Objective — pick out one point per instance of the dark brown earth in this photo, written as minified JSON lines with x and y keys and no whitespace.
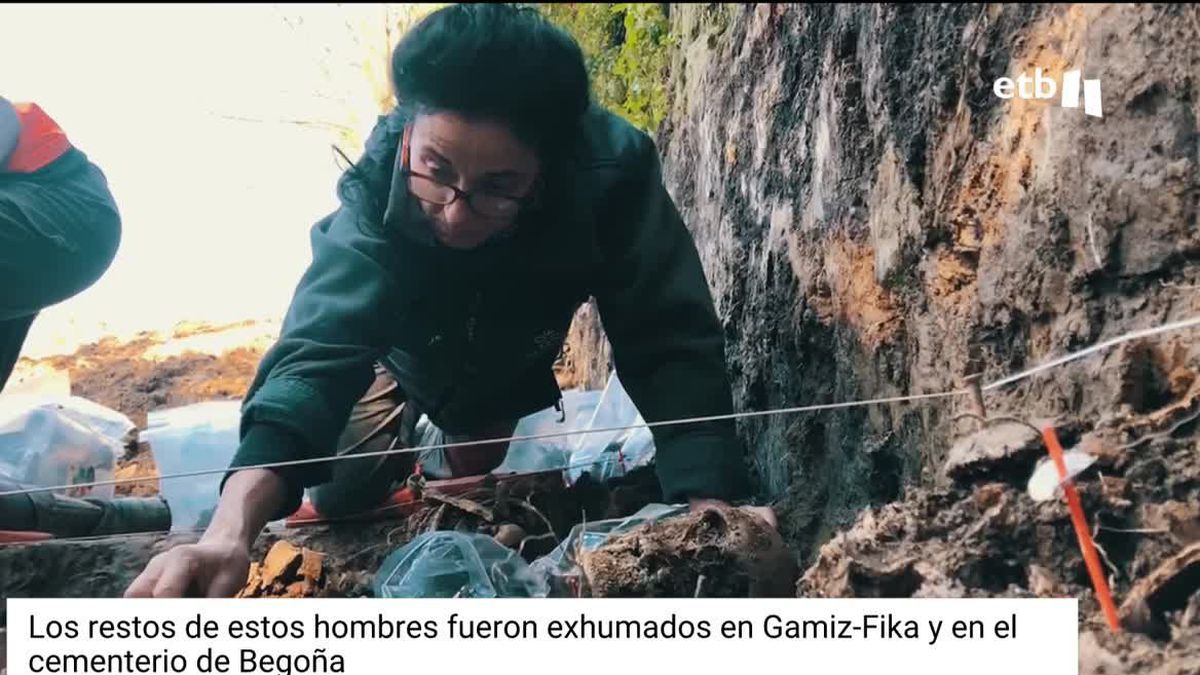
{"x":725,"y":553}
{"x":121,"y":376}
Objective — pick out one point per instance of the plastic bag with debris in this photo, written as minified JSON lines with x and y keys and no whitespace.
{"x":450,"y":564}
{"x":47,"y":441}
{"x":609,"y":454}
{"x":558,"y":568}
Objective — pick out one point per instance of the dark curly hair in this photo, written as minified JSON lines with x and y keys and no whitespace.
{"x":500,"y":62}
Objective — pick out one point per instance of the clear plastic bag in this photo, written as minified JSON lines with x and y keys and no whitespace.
{"x":193,"y":438}
{"x":604,"y":454}
{"x":50,"y":441}
{"x":110,"y":423}
{"x":558,"y":569}
{"x":450,"y":564}
{"x":523,"y":456}
{"x":549,"y":453}
{"x":610,"y":454}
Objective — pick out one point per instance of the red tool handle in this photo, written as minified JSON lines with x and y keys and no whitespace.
{"x":1090,"y":558}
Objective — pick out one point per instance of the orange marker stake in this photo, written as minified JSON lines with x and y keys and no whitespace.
{"x":1090,"y":558}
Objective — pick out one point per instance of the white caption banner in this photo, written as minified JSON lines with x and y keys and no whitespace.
{"x":575,"y":637}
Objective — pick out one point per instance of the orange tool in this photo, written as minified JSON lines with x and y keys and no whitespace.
{"x":1090,"y":558}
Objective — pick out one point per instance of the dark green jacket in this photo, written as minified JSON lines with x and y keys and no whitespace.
{"x":472,"y":336}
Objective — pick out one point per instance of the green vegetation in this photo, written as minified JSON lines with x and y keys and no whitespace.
{"x":627,"y":46}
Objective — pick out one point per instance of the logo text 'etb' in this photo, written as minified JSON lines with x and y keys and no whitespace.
{"x":1044,"y":87}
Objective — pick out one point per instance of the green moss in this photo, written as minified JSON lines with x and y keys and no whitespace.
{"x":627,"y":47}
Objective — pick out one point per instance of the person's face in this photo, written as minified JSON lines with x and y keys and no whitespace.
{"x":479,"y":157}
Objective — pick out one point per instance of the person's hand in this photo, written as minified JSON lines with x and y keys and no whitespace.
{"x":214,"y":569}
{"x":764,"y":512}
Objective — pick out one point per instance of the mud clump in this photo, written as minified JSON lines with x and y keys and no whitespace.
{"x":713,"y":553}
{"x":1009,"y":446}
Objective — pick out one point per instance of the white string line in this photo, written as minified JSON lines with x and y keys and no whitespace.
{"x":1126,"y":337}
{"x":1134,"y":335}
{"x":491,"y":441}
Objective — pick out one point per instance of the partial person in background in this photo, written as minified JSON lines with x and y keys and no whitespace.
{"x":59,"y":225}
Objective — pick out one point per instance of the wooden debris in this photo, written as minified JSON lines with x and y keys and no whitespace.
{"x":1166,"y":589}
{"x":282,"y":561}
{"x":1099,"y":445}
{"x":1180,"y":381}
{"x":286,"y":572}
{"x":462,"y":504}
{"x":310,"y":565}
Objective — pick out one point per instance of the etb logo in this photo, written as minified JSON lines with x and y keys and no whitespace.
{"x":1044,"y":87}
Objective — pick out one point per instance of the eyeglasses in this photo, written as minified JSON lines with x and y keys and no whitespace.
{"x":488,"y":205}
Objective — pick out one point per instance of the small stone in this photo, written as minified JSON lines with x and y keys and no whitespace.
{"x":987,"y":496}
{"x":1180,"y":519}
{"x":510,"y":535}
{"x":1095,"y":659}
{"x":1105,"y":452}
{"x":1043,"y":583}
{"x":1006,"y":446}
{"x":1116,"y":492}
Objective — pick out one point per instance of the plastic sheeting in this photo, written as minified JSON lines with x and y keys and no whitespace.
{"x":450,"y":564}
{"x":46,"y":441}
{"x":609,"y":454}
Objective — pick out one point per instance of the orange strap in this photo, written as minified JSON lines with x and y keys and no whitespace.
{"x":41,"y":140}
